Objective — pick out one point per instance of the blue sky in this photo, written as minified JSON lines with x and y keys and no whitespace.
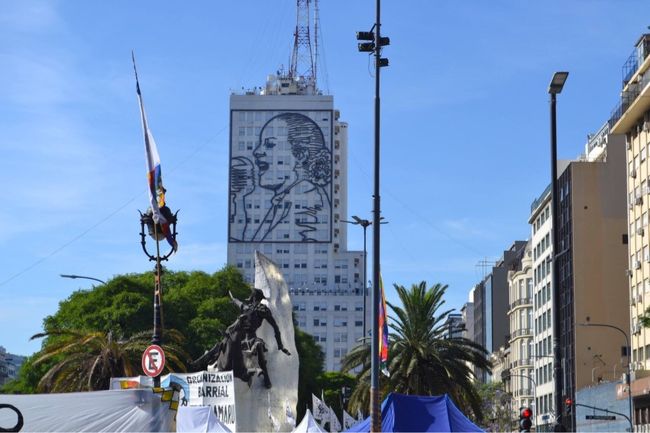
{"x":464,"y":127}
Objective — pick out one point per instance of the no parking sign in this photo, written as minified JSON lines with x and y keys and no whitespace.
{"x":153,"y":360}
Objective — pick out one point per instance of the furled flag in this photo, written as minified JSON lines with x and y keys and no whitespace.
{"x":348,"y":420}
{"x":154,"y":174}
{"x":319,"y":408}
{"x":335,"y":425}
{"x":383,"y":331}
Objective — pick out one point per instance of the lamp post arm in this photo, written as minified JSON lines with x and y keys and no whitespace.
{"x":74,"y":277}
{"x":628,"y":378}
{"x":605,"y":325}
{"x":607,"y":411}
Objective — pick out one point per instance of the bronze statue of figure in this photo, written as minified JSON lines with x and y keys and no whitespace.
{"x":241,"y":350}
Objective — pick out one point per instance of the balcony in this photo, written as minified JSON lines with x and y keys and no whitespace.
{"x":524,"y":332}
{"x":635,"y":84}
{"x":538,"y":201}
{"x":521,"y":301}
{"x":527,"y":362}
{"x":628,"y":99}
{"x":523,"y":392}
{"x":636,"y":59}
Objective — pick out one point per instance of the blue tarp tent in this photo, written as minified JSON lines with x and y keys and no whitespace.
{"x":413,"y":413}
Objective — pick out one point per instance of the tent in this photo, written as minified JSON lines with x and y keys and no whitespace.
{"x":308,"y":425}
{"x":411,"y":413}
{"x":130,"y":410}
{"x":199,"y":419}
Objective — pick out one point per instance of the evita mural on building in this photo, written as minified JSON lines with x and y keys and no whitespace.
{"x":280,"y":177}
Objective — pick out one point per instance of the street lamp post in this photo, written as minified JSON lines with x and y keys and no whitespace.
{"x":156,"y":233}
{"x":557,"y":83}
{"x":74,"y":277}
{"x":534,"y":387}
{"x":375,"y":47}
{"x":365,"y":224}
{"x":629,"y":365}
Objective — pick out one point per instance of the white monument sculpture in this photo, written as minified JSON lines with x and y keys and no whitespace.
{"x":260,"y":408}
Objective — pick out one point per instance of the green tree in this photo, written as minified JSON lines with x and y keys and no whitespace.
{"x":311,"y":366}
{"x":334,"y":385}
{"x":196,"y":304}
{"x":422,"y":360}
{"x":86,"y":361}
{"x":496,"y":407}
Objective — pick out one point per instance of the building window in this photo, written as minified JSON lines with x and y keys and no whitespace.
{"x":340,"y":322}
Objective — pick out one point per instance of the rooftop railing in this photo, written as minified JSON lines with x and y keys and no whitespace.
{"x":535,"y":204}
{"x":630,"y":67}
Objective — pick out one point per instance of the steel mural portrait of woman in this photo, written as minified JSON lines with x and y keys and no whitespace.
{"x":280,"y":191}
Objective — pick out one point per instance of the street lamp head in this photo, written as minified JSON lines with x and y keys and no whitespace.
{"x":557,"y":82}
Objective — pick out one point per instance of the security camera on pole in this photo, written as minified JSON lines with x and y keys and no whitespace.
{"x":373,"y":44}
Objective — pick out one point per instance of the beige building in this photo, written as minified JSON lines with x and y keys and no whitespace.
{"x":592,"y":262}
{"x":632,"y":118}
{"x":520,"y":316}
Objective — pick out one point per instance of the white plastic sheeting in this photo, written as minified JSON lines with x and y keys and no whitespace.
{"x":308,"y":425}
{"x":198,"y":419}
{"x":132,"y":410}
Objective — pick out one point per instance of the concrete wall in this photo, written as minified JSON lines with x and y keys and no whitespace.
{"x":599,"y":264}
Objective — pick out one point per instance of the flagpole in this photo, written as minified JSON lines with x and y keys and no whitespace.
{"x":159,"y":220}
{"x":157,"y":337}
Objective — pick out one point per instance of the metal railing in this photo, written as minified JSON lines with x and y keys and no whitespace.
{"x":535,"y":204}
{"x":527,"y":362}
{"x":630,"y":67}
{"x":523,"y":392}
{"x":521,"y":332}
{"x":521,"y":301}
{"x":627,"y":98}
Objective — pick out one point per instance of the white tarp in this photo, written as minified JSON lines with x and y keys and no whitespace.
{"x":212,"y":388}
{"x":132,"y":410}
{"x":198,"y":419}
{"x":308,"y":425}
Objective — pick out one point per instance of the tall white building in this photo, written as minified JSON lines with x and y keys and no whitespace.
{"x":288,"y":197}
{"x":542,"y":249}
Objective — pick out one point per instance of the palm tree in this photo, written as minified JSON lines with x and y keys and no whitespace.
{"x":423,"y":359}
{"x":86,"y":360}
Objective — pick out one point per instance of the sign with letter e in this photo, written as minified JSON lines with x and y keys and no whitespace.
{"x":153,"y":360}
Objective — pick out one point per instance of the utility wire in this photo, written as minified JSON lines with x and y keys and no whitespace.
{"x":109,"y":216}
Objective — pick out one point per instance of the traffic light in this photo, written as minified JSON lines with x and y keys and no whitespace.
{"x":568,"y":406}
{"x":525,"y":422}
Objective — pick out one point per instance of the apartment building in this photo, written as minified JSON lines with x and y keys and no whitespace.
{"x":491,"y":325}
{"x":631,"y":118}
{"x":520,"y":316}
{"x":592,"y":263}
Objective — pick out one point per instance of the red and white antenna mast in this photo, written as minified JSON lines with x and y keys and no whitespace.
{"x":302,"y":57}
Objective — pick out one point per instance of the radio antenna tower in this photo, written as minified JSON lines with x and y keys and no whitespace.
{"x":302,"y":56}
